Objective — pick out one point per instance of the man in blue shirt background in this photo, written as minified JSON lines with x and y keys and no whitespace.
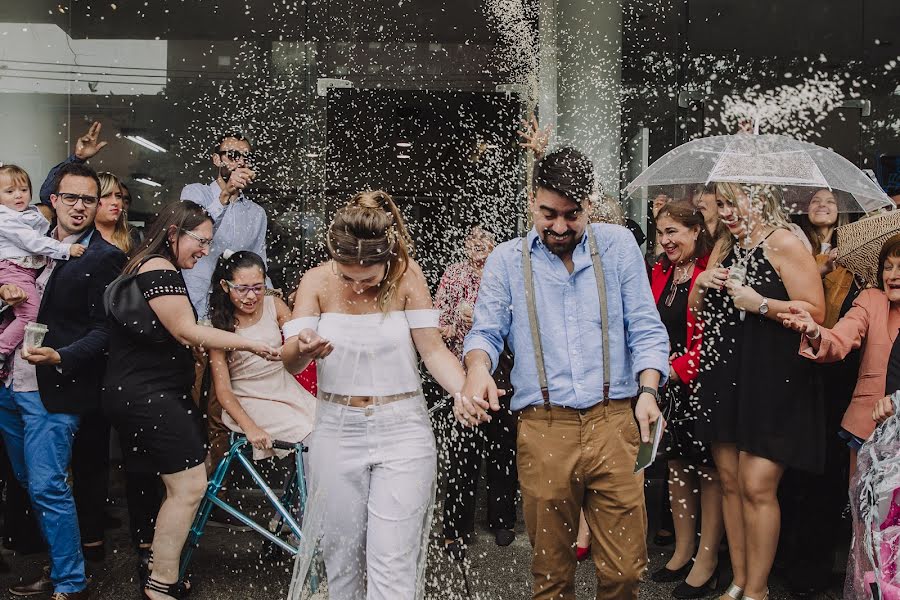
{"x":576,"y":445}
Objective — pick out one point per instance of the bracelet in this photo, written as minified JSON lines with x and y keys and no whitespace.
{"x":645,"y":389}
{"x":814,"y":337}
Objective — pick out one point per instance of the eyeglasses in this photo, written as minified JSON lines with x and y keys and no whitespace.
{"x":72,"y":199}
{"x":237,"y":155}
{"x":207,"y":242}
{"x":243,"y":290}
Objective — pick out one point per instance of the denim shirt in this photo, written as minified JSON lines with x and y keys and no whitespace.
{"x":568,"y":309}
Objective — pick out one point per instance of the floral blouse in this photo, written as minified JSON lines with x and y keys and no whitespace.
{"x":459,"y":284}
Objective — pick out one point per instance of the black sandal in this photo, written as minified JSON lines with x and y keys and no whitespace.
{"x":175,"y":590}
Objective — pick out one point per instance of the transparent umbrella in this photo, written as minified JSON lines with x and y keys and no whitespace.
{"x":799,"y":168}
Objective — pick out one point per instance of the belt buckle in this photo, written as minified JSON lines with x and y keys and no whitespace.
{"x":369,"y":411}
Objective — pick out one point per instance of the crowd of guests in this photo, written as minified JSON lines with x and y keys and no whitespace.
{"x":562,"y":350}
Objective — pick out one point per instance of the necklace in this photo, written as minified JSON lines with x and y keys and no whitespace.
{"x":678,"y":280}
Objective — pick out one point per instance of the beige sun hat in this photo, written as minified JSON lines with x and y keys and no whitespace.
{"x":859,"y":244}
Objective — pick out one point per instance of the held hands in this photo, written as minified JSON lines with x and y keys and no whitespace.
{"x":12,"y":294}
{"x":744,"y":297}
{"x":647,"y":412}
{"x":713,"y":279}
{"x":76,"y":250}
{"x":313,"y":346}
{"x":479,"y":395}
{"x":884,"y":408}
{"x":89,"y":144}
{"x":258,"y":438}
{"x":800,"y":320}
{"x":41,"y":356}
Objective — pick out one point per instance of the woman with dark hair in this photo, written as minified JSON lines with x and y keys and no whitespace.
{"x":372,"y":451}
{"x":686,"y":243}
{"x":871,"y":324}
{"x":259,"y":397}
{"x":147,"y":386}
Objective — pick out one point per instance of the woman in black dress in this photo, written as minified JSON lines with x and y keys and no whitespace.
{"x":760,"y":412}
{"x":686,"y":244}
{"x":147,"y":387}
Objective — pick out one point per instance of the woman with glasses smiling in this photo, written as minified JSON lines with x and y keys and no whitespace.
{"x":147,"y":387}
{"x":259,"y":397}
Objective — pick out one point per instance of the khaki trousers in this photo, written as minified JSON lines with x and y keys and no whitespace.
{"x":572,"y":459}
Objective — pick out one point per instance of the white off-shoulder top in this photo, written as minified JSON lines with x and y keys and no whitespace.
{"x":373,"y":353}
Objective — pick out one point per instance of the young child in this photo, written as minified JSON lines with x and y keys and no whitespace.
{"x":24,"y":249}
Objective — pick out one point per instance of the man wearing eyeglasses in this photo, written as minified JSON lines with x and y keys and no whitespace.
{"x":50,"y":387}
{"x":238,"y":222}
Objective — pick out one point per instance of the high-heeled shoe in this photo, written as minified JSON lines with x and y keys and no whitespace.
{"x":175,"y":590}
{"x":666,"y":575}
{"x":766,"y":597}
{"x":684,"y":590}
{"x":734,"y":592}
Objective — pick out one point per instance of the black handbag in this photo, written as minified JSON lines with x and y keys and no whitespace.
{"x":124,"y":302}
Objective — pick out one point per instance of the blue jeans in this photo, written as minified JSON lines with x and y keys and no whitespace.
{"x":39,"y":445}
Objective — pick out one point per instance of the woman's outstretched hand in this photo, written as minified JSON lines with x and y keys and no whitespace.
{"x":800,"y":320}
{"x":266,"y":351}
{"x":312,"y":345}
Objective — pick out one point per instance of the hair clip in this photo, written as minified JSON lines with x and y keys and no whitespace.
{"x":226,"y":254}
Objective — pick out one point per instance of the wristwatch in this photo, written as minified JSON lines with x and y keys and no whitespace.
{"x":764,"y":307}
{"x":645,"y":389}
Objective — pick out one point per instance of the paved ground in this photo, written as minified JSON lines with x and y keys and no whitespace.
{"x":228,"y":565}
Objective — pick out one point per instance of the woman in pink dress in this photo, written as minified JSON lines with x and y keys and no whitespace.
{"x":260,"y":398}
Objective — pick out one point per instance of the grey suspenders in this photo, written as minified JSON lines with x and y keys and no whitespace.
{"x":533,"y":318}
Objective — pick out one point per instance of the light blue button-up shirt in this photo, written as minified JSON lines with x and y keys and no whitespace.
{"x":238,"y":225}
{"x":568,"y":310}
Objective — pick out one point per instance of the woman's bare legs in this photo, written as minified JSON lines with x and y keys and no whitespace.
{"x":584,"y":534}
{"x":727,"y":461}
{"x":759,"y":488}
{"x":683,"y":492}
{"x":711,"y":528}
{"x":184,"y":491}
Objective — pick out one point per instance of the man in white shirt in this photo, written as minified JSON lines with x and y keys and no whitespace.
{"x":239,"y":223}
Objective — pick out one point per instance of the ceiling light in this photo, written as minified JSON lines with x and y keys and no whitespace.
{"x":404,"y":144}
{"x":312,"y":155}
{"x":148,"y":181}
{"x":142,"y":141}
{"x":403,"y":156}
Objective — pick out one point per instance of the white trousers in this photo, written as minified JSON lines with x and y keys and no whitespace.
{"x":375,"y":470}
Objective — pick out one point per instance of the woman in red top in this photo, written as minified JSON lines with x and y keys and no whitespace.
{"x":686,"y":243}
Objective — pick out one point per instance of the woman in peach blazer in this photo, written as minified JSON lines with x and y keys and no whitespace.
{"x":871,"y":324}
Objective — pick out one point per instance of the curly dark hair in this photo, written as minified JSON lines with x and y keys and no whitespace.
{"x":221,"y":310}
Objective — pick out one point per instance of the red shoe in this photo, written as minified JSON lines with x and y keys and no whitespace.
{"x":582,"y":553}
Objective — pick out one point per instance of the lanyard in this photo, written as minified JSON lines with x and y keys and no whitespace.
{"x":533,"y":319}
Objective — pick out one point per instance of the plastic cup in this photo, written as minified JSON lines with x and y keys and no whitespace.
{"x":34,"y":335}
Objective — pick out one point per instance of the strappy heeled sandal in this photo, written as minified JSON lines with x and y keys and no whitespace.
{"x":734,"y":592}
{"x":175,"y":590}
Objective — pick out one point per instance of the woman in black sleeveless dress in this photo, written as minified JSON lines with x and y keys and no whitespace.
{"x":147,"y":386}
{"x":762,"y":415}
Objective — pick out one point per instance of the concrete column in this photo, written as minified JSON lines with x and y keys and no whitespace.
{"x":581,"y":88}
